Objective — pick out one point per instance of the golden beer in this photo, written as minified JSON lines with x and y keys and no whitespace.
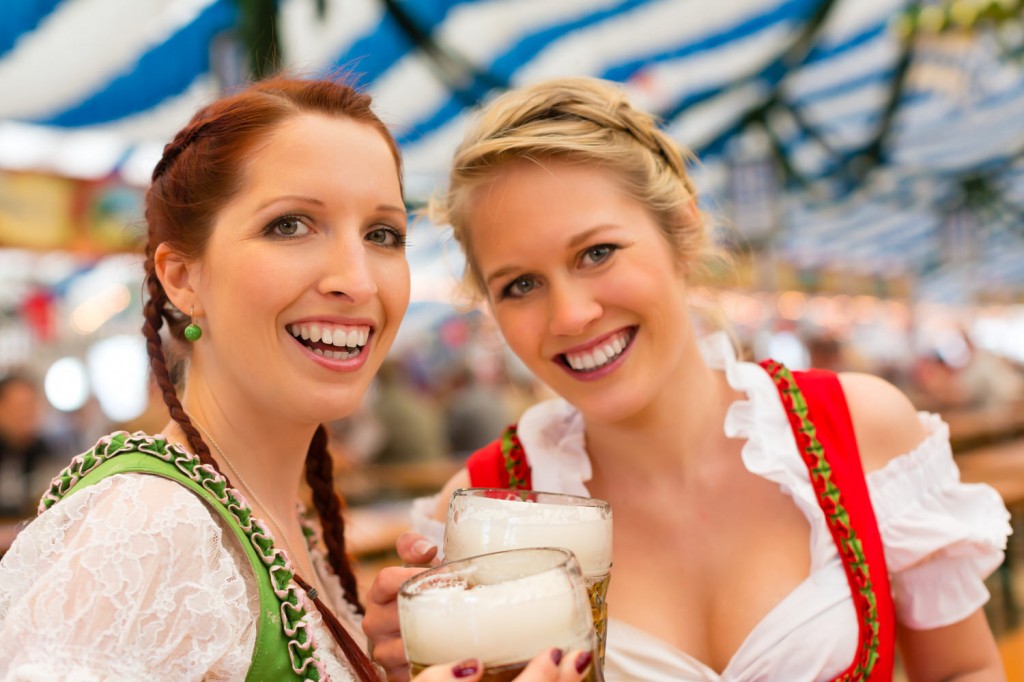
{"x":482,"y":520}
{"x":597,"y":592}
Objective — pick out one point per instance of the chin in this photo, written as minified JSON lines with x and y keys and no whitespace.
{"x":328,"y":404}
{"x":598,"y":407}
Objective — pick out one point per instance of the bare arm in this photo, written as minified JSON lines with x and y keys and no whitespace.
{"x":459,"y":480}
{"x":886,"y":426}
{"x":964,"y":651}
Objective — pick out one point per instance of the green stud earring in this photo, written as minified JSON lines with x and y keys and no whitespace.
{"x":193,"y":331}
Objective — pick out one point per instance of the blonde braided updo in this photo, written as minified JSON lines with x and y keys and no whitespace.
{"x":581,"y":120}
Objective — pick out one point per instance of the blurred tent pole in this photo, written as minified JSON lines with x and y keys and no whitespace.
{"x":257,"y":27}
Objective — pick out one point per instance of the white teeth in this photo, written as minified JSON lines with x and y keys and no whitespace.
{"x":318,"y":351}
{"x":339,"y":337}
{"x":600,"y":356}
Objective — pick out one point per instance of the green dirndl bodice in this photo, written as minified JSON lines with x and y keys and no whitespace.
{"x":284,"y":644}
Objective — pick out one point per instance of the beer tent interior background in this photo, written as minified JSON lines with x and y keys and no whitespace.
{"x":872,"y":146}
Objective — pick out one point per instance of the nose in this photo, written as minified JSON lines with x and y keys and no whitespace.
{"x":346,"y":269}
{"x":572,"y":307}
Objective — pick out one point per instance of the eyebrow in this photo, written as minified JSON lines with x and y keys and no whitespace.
{"x":291,"y":197}
{"x":587,"y":234}
{"x":575,"y":241}
{"x":313,"y":200}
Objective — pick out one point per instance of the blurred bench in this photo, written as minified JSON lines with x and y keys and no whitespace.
{"x":369,"y":483}
{"x":1001,"y":466}
{"x":974,"y":427}
{"x":372,"y":529}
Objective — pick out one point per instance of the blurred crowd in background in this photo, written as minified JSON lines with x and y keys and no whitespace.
{"x":440,"y":398}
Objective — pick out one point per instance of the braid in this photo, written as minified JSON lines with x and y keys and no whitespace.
{"x":357,"y":658}
{"x":154,"y":315}
{"x":182,"y":141}
{"x":320,"y":477}
{"x":329,"y":505}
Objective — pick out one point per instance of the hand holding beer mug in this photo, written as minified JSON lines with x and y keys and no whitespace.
{"x":482,"y":520}
{"x":502,"y":608}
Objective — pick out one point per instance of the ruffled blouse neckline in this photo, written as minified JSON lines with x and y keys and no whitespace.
{"x":554,"y":438}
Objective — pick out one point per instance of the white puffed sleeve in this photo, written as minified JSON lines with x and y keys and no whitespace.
{"x":129,"y":579}
{"x":942,"y":537}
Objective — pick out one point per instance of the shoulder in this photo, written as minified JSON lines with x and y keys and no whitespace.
{"x":885,"y":422}
{"x":148,"y":496}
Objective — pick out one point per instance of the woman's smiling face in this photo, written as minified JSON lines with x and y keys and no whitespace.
{"x":582,"y":282}
{"x":304,"y":280}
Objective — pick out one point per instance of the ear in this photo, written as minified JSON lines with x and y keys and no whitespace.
{"x":689,"y":213}
{"x":687,"y":218}
{"x":178,"y":276}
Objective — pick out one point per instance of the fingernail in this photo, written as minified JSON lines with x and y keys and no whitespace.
{"x":466,"y":668}
{"x":422,"y":547}
{"x":583,"y":660}
{"x":556,"y":656}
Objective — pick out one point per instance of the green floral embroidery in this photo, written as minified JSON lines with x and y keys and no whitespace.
{"x":512,"y":451}
{"x":830,"y":499}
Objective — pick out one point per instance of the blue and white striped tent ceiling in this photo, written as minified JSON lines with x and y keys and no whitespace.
{"x":91,"y":87}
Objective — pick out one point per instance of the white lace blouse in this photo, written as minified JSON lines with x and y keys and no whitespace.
{"x":136,"y":578}
{"x":941,"y":537}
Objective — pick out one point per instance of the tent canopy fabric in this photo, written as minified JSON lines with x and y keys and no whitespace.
{"x":821,"y":127}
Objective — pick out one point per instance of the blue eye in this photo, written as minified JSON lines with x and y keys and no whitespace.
{"x":599,"y":253}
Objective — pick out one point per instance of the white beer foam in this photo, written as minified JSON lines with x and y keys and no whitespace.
{"x":494,"y":525}
{"x":503,"y":623}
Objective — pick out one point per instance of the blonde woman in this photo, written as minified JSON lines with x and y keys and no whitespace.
{"x":769,"y":525}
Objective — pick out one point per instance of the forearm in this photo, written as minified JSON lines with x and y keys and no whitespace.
{"x":990,"y":673}
{"x":962,"y":652}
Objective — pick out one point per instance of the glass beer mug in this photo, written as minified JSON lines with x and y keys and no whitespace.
{"x":482,"y":520}
{"x":503,"y":608}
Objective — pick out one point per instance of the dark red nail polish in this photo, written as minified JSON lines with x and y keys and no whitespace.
{"x":466,"y":668}
{"x":583,"y":660}
{"x":556,"y":656}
